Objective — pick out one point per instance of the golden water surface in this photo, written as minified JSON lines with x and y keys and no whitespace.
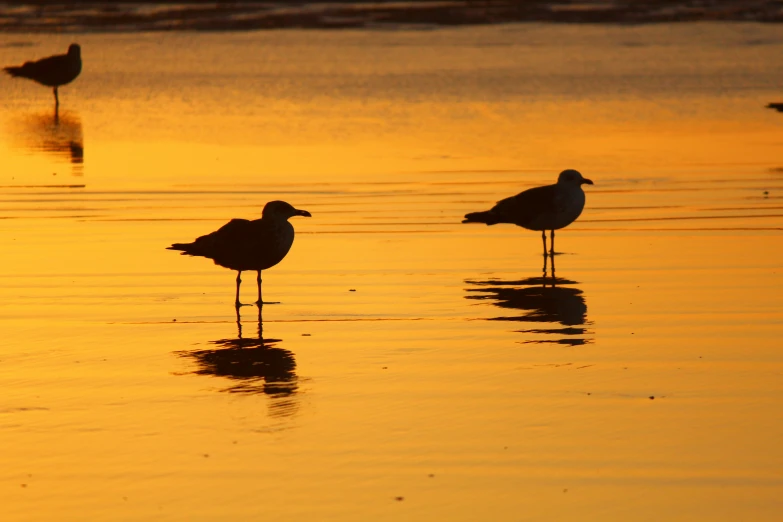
{"x":415,"y":368}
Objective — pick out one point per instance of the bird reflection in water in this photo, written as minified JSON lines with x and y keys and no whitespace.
{"x":255,"y":364}
{"x":59,"y":136}
{"x":543,"y":299}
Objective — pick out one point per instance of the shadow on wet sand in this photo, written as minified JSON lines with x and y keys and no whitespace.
{"x":254,"y":364}
{"x":545,"y":299}
{"x":47,"y":133}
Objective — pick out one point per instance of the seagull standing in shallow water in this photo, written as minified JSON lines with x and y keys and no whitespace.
{"x":551,"y":207}
{"x":243,"y":245}
{"x":52,"y":71}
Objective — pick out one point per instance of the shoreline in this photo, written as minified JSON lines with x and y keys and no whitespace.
{"x":103,"y":17}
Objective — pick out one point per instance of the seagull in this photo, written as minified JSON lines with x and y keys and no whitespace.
{"x":550,"y":207}
{"x":242,"y":244}
{"x":52,"y":71}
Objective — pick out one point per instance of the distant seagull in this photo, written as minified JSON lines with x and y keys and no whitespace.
{"x":248,"y":245}
{"x":551,"y":207}
{"x":53,"y":71}
{"x":777,"y":106}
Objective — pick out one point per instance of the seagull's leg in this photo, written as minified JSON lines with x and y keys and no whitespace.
{"x":56,"y":107}
{"x":545,"y":260}
{"x":543,"y":237}
{"x":553,"y":271}
{"x":552,"y":244}
{"x":260,"y":301}
{"x":239,"y":282}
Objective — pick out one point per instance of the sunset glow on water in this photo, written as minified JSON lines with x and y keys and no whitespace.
{"x":416,"y":368}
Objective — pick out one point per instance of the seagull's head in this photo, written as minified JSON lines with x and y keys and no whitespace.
{"x":74,"y":51}
{"x":573,"y":177}
{"x":282,"y":210}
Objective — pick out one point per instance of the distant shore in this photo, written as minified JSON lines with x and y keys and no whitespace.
{"x":50,"y":17}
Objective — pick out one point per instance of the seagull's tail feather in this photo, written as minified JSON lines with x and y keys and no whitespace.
{"x":486,"y":217}
{"x":186,"y":248}
{"x":14,"y":71}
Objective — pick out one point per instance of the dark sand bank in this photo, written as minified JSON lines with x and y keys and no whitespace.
{"x":47,"y":16}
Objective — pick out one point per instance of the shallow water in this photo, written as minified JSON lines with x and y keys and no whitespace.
{"x":415,"y":368}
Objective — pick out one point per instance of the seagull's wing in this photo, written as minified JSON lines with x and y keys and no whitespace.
{"x":38,"y":67}
{"x":527,"y":206}
{"x":239,"y":245}
{"x":50,"y":62}
{"x":246,"y":245}
{"x":223,"y":238}
{"x":229,"y":234}
{"x":51,"y":71}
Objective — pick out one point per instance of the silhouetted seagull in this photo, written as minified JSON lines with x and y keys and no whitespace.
{"x":52,"y":71}
{"x":243,"y":245}
{"x":541,"y":208}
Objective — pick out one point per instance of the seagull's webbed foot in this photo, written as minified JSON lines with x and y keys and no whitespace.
{"x":261,"y":303}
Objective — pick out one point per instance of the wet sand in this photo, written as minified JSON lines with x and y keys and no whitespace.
{"x":415,"y":368}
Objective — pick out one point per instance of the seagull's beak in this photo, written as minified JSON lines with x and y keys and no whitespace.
{"x":588,"y":181}
{"x":302,"y":213}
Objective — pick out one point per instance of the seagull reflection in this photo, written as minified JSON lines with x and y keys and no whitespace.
{"x":255,"y":364}
{"x":61,"y":137}
{"x":543,"y":300}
